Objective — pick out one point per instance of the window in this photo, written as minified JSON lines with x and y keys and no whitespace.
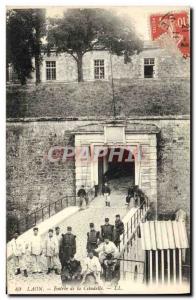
{"x":50,"y":70}
{"x":11,"y":75}
{"x":149,"y":64}
{"x":99,"y":69}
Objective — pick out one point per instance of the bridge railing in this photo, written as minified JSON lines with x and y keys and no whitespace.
{"x":43,"y":213}
{"x":133,"y":222}
{"x":46,"y":211}
{"x":132,"y":270}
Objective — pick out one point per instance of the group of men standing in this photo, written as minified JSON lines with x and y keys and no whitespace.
{"x":60,"y":249}
{"x":36,"y":247}
{"x":108,"y":231}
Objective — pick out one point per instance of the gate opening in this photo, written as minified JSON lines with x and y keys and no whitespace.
{"x":120,"y":173}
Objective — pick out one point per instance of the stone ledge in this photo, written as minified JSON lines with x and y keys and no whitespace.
{"x":93,"y":118}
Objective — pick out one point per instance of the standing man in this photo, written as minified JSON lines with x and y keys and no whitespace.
{"x":118,"y":230}
{"x":68,"y":247}
{"x":107,"y":231}
{"x":130,"y":195}
{"x":83,"y":196}
{"x":92,"y":267}
{"x":106,"y":193}
{"x":18,"y":248}
{"x":36,"y":250}
{"x":58,"y":237}
{"x":51,"y":252}
{"x":92,"y":238}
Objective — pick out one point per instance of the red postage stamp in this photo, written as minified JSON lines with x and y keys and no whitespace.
{"x":173,"y":25}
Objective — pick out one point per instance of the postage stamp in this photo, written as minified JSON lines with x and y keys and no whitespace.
{"x":173,"y":25}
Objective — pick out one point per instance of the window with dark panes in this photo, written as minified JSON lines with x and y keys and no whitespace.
{"x":149,"y":64}
{"x":99,"y":69}
{"x":50,"y":70}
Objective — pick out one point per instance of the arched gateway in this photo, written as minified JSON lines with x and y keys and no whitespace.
{"x":109,"y":148}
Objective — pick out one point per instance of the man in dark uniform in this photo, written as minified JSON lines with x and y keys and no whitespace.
{"x":68,"y":245}
{"x":92,"y":238}
{"x":130,"y":194}
{"x":111,"y":268}
{"x":118,"y":230}
{"x":71,"y":271}
{"x":106,"y":193}
{"x":107,"y":231}
{"x":82,"y":195}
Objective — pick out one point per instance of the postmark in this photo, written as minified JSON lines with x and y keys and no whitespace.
{"x":172,"y":26}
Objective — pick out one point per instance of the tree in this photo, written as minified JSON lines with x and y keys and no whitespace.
{"x":19,"y":40}
{"x":39,"y":30}
{"x":83,"y":30}
{"x":25,"y":28}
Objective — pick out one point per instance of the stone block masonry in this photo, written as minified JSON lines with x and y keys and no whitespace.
{"x":33,"y":181}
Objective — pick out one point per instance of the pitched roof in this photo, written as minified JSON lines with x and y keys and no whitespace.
{"x":158,"y":235}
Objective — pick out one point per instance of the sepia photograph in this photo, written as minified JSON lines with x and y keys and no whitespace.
{"x":98,"y":120}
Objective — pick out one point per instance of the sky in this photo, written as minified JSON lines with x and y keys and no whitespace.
{"x":139,"y":15}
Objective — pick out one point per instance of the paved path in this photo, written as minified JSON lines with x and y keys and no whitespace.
{"x":96,"y":213}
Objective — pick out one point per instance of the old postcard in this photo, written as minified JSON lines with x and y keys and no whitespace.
{"x":98,"y":150}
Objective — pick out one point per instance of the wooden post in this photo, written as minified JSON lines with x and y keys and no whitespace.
{"x":123,"y":239}
{"x":174,"y":265}
{"x":42,"y":214}
{"x":35,"y":218}
{"x":180,"y":266}
{"x":61,"y":203}
{"x":123,"y":265}
{"x":26,"y":223}
{"x":168,"y":265}
{"x":157,"y":265}
{"x":18,"y":225}
{"x":162,"y":265}
{"x":127,"y":230}
{"x":150,"y":266}
{"x":55,"y":207}
{"x":49,"y":210}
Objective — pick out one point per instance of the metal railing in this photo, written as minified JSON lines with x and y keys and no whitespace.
{"x":43,"y":213}
{"x":132,"y":270}
{"x":132,"y":224}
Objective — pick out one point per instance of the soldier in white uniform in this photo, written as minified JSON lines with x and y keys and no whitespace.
{"x":92,"y":267}
{"x":58,"y":236}
{"x":107,"y":247}
{"x":51,"y":250}
{"x":36,"y":251}
{"x":18,"y":248}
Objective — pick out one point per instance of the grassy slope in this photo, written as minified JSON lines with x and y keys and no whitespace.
{"x":136,"y":97}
